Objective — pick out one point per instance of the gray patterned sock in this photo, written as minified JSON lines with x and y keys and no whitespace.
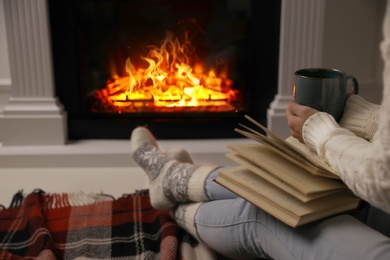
{"x":184,"y":216}
{"x":170,"y":181}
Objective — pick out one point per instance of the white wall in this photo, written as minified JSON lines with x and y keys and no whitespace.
{"x":353,"y":31}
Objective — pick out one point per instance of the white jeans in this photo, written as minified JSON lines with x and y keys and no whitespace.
{"x":237,"y":229}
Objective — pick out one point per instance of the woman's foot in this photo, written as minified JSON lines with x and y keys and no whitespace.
{"x":170,"y":181}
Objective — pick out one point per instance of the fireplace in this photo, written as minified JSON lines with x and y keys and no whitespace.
{"x":34,"y":116}
{"x":186,"y":69}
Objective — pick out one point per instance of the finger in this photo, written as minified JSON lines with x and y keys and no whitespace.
{"x":296,"y":109}
{"x":290,"y":108}
{"x":301,"y":110}
{"x":294,"y":121}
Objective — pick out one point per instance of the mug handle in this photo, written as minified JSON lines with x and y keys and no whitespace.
{"x":355,"y":84}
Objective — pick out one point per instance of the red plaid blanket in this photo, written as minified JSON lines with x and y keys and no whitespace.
{"x":69,"y":226}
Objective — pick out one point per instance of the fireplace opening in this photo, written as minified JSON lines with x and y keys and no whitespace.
{"x":186,"y":69}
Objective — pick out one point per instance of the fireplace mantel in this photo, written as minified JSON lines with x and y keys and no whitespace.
{"x":34,"y":122}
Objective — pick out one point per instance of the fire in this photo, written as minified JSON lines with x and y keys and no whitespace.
{"x":170,"y":79}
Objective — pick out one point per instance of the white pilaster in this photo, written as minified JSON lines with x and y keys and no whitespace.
{"x":33,"y":116}
{"x":301,"y":33}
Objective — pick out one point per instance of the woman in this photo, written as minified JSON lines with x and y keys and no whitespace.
{"x":358,"y":148}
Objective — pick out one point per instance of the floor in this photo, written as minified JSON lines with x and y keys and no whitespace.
{"x":115,"y":181}
{"x":91,"y":166}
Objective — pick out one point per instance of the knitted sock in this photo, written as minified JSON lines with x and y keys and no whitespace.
{"x":170,"y":181}
{"x":184,"y":216}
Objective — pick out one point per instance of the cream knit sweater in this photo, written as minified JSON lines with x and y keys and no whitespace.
{"x":359,"y":148}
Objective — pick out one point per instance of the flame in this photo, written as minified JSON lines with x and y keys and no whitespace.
{"x":170,"y":79}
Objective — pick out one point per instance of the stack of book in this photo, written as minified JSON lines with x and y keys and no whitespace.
{"x":285,"y":178}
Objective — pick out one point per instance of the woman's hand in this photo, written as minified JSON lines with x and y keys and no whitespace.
{"x":296,"y":116}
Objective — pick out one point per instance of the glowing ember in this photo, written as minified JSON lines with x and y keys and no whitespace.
{"x":171,"y":79}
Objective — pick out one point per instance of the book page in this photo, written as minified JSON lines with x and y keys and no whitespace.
{"x":282,"y":151}
{"x":244,"y":177}
{"x":285,"y":170}
{"x":271,"y":135}
{"x":280,"y":183}
{"x":288,"y":148}
{"x":279,"y":203}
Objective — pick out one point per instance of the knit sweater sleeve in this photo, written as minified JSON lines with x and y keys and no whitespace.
{"x":361,"y":117}
{"x":364,"y":166}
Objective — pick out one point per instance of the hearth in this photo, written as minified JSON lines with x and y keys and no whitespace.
{"x":186,"y":69}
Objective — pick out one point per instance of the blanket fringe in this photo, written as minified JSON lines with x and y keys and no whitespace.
{"x":60,"y":200}
{"x":17,"y":200}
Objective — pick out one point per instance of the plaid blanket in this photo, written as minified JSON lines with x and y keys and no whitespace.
{"x":94,"y":226}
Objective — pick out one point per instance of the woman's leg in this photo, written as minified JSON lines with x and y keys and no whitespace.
{"x":237,"y":229}
{"x":214,"y":191}
{"x":170,"y":181}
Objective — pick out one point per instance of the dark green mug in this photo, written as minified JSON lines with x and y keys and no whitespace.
{"x":323,"y":89}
